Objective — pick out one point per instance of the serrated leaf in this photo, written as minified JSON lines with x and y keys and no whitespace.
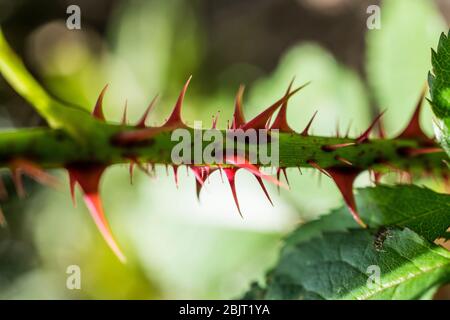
{"x":439,"y":83}
{"x":339,"y":265}
{"x":420,"y":209}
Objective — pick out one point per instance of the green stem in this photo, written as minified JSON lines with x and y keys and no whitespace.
{"x":52,"y":148}
{"x":57,"y":114}
{"x":77,"y":137}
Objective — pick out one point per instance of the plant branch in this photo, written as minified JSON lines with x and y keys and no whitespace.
{"x":55,"y":149}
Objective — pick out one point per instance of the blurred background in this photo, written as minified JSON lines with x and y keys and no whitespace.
{"x":178,"y":247}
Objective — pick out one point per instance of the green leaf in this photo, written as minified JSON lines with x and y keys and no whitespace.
{"x":420,"y":209}
{"x":338,"y":265}
{"x":439,"y":83}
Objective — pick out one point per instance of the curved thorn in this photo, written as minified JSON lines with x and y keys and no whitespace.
{"x":214,"y":120}
{"x":72,"y":182}
{"x":413,"y":129}
{"x":344,"y":179}
{"x":365,"y":135}
{"x":259,"y":122}
{"x":316,"y":166}
{"x":343,"y":160}
{"x":175,"y":174}
{"x":230,"y":174}
{"x":141,"y":122}
{"x":88,"y":178}
{"x":238,"y":116}
{"x":347,"y":132}
{"x":35,"y":172}
{"x":337,"y":129}
{"x":381,"y":130}
{"x":308,"y":126}
{"x":244,"y":164}
{"x":124,"y":114}
{"x":98,"y":109}
{"x":131,"y":170}
{"x":175,"y":117}
{"x":263,"y":187}
{"x":280,"y":121}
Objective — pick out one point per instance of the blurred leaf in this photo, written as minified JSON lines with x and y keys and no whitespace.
{"x":155,"y":49}
{"x":398,"y":58}
{"x":336,"y":266}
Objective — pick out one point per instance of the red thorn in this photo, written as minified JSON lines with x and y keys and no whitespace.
{"x":337,"y":129}
{"x":263,"y":187}
{"x":34,"y":171}
{"x":348,"y":129}
{"x":285,"y":175}
{"x":175,"y":117}
{"x":72,"y":182}
{"x":230,"y":174}
{"x":98,"y":109}
{"x":124,"y":114}
{"x":19,"y":166}
{"x":411,"y":152}
{"x":141,"y":122}
{"x":259,"y":122}
{"x":238,"y":116}
{"x":175,"y":174}
{"x":332,"y":147}
{"x":278,"y":178}
{"x":413,"y":129}
{"x":18,"y":183}
{"x":200,"y":173}
{"x":316,"y":166}
{"x":344,"y":179}
{"x":214,"y":121}
{"x":381,"y":130}
{"x":267,"y":125}
{"x":279,"y":170}
{"x":244,"y":164}
{"x":280,"y":121}
{"x":343,"y":160}
{"x":308,"y":126}
{"x":131,"y":170}
{"x":377,"y":177}
{"x":88,"y":178}
{"x":135,"y":162}
{"x":365,"y":135}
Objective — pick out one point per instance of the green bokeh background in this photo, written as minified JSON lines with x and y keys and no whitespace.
{"x":178,"y":247}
